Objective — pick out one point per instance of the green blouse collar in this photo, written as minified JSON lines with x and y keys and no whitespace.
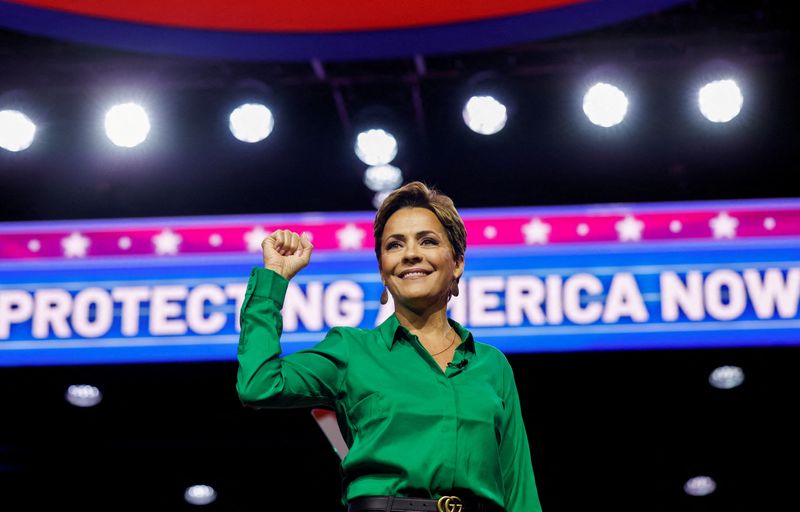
{"x":391,"y":331}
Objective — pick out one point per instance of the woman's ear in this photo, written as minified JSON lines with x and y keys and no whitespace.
{"x":459,"y":270}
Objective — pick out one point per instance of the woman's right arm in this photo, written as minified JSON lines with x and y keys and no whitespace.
{"x":265,"y":379}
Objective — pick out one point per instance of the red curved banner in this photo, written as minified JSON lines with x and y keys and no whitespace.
{"x":293,"y":30}
{"x":298,"y":16}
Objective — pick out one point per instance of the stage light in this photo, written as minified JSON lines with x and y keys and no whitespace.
{"x":720,"y":101}
{"x":200,"y":495}
{"x":16,"y":130}
{"x":251,"y":122}
{"x":484,"y":115}
{"x":605,"y":105}
{"x":83,"y":395}
{"x":380,"y":178}
{"x":700,"y":486}
{"x":726,"y":377}
{"x":376,"y":147}
{"x":379,"y":198}
{"x":127,"y":125}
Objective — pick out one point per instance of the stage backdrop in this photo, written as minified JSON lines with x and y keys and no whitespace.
{"x":623,"y":277}
{"x":314,"y":29}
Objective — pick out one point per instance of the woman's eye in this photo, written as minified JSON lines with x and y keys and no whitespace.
{"x":392,"y":245}
{"x":429,"y":240}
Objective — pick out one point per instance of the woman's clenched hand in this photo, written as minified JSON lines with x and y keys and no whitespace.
{"x":286,"y":252}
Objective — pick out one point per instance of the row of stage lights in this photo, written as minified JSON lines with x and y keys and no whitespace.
{"x":127,"y":125}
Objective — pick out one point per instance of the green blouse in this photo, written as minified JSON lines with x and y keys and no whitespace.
{"x":412,"y":429}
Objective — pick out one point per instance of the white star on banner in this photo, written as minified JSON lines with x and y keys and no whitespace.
{"x":254,"y":238}
{"x":629,"y":229}
{"x":167,"y":242}
{"x":536,"y":232}
{"x":350,"y":237}
{"x":724,"y":226}
{"x":75,"y":245}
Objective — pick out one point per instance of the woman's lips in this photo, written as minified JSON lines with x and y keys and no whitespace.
{"x":413,"y":275}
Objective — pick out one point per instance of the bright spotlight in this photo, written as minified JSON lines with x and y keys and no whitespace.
{"x":380,"y":178}
{"x":726,"y":377}
{"x":605,"y":105}
{"x":484,"y":115}
{"x":700,"y":486}
{"x":127,"y":125}
{"x":379,"y":198}
{"x":83,"y":395}
{"x":376,"y":147}
{"x":251,"y":122}
{"x":200,"y":495}
{"x":720,"y":101}
{"x":16,"y":130}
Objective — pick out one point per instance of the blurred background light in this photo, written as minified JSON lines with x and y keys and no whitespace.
{"x":83,"y":395}
{"x":251,"y":122}
{"x":720,"y":101}
{"x":376,"y":147}
{"x":605,"y":105}
{"x":381,"y":178}
{"x":379,"y":198}
{"x":700,"y":486}
{"x":726,"y":377}
{"x":127,"y":125}
{"x":484,"y":115}
{"x":200,"y":495}
{"x":16,"y":130}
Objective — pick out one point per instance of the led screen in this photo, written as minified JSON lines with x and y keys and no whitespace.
{"x":621,"y":277}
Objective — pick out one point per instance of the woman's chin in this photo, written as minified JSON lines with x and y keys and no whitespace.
{"x":419,"y":302}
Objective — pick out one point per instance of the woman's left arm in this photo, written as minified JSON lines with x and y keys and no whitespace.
{"x":515,"y":454}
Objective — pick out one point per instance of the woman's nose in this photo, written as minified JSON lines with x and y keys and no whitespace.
{"x":411,"y":252}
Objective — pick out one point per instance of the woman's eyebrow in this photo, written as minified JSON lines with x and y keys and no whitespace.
{"x":419,"y":234}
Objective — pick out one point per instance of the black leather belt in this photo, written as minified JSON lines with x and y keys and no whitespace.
{"x":400,"y":504}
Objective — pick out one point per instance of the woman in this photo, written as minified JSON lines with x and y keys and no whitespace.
{"x":431,"y":417}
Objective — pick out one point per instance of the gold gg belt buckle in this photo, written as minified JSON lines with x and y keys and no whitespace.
{"x":449,"y":504}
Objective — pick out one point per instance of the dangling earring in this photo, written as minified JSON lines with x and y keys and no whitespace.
{"x":454,"y":288}
{"x":384,"y":295}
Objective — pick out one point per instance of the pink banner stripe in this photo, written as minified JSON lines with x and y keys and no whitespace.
{"x":333,"y":232}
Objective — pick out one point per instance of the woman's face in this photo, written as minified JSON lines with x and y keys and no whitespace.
{"x":417,"y":262}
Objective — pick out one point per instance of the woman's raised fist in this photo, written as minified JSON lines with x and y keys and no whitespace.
{"x":286,"y":252}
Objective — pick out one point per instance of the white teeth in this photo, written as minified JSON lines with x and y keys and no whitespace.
{"x":413,"y":274}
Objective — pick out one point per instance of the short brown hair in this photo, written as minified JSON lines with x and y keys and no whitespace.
{"x":417,"y":195}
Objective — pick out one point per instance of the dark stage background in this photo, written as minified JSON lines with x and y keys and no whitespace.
{"x":608,"y":430}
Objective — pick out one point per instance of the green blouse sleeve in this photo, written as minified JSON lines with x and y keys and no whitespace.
{"x":265,"y":379}
{"x":515,"y":454}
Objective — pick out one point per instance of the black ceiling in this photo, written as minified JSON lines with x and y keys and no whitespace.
{"x":547,"y":154}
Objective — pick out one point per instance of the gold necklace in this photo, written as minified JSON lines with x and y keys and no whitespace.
{"x":448,"y":346}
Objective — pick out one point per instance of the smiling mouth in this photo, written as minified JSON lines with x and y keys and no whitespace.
{"x":413,"y":275}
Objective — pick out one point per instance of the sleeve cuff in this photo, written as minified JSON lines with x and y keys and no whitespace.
{"x":265,"y":283}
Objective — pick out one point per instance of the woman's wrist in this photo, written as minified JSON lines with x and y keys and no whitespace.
{"x":278,"y":269}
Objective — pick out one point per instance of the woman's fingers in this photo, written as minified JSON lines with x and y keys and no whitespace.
{"x":304,"y":251}
{"x":286,"y":237}
{"x":287,"y":243}
{"x":283,"y":239}
{"x":286,"y":252}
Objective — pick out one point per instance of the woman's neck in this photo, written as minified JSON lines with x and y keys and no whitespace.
{"x":424,"y":324}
